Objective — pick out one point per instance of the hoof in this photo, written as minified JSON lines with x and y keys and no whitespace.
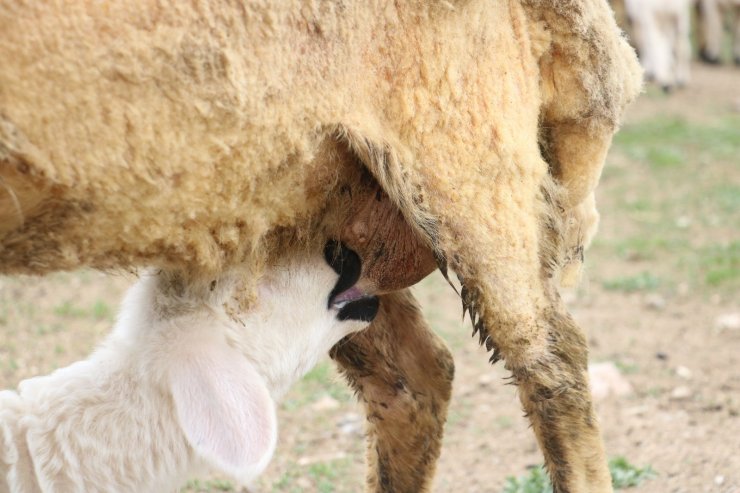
{"x":707,"y":58}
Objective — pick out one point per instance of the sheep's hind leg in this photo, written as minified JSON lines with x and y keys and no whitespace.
{"x":402,"y":373}
{"x":554,"y":392}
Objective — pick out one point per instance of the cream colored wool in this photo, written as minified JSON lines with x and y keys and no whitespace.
{"x":184,"y":133}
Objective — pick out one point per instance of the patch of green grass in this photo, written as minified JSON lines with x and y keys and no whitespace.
{"x":627,"y":368}
{"x":536,"y":481}
{"x":646,"y":247}
{"x":68,"y":309}
{"x":196,"y":485}
{"x":665,"y":157}
{"x":101,"y":311}
{"x":641,"y":204}
{"x":664,"y":143}
{"x":285,"y":483}
{"x":325,"y":474}
{"x":721,"y":263}
{"x":644,"y":281}
{"x":321,"y":380}
{"x":655,"y":391}
{"x":624,"y":475}
{"x":727,"y":197}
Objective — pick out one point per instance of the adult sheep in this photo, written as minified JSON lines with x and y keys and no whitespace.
{"x":713,"y":15}
{"x":198,"y":135}
{"x":661,"y":30}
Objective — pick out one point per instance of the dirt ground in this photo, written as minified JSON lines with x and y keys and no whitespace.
{"x":659,"y":293}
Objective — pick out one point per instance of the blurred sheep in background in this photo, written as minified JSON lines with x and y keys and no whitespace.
{"x":661,"y":32}
{"x":714,"y":15}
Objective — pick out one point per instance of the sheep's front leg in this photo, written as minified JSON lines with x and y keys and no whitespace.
{"x":402,"y":373}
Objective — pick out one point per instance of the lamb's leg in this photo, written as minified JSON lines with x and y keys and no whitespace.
{"x":402,"y":373}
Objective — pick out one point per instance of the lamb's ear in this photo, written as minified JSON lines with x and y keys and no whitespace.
{"x":224,"y":409}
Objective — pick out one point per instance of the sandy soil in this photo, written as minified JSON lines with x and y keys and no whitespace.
{"x":682,"y":416}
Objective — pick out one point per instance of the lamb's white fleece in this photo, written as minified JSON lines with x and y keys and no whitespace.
{"x":180,"y":385}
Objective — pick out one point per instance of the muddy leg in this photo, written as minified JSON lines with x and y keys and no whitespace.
{"x":402,"y":373}
{"x":554,"y":392}
{"x":547,"y":355}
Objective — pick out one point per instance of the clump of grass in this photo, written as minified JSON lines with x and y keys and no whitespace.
{"x":321,"y":380}
{"x":287,"y":480}
{"x":628,"y":368}
{"x":196,"y":485}
{"x":721,"y":264}
{"x":644,"y":281}
{"x":665,"y":157}
{"x":624,"y":475}
{"x":101,"y":311}
{"x":68,"y":309}
{"x":727,"y":197}
{"x":646,"y":247}
{"x":664,"y":142}
{"x":536,"y":481}
{"x":325,"y":474}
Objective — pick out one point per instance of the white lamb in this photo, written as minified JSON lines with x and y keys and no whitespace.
{"x":179,"y":386}
{"x":661,"y":31}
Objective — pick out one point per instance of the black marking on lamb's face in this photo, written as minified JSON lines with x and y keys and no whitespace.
{"x":364,"y":309}
{"x":348,"y":265}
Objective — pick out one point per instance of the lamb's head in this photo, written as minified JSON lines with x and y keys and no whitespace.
{"x":305,"y":306}
{"x":225,"y":372}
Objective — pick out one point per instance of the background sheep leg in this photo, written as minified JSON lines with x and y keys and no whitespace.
{"x":402,"y":373}
{"x":711,"y":31}
{"x":735,"y":15}
{"x":683,"y":50}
